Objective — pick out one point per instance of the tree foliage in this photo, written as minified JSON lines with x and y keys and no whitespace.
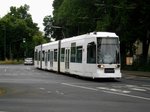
{"x":128,"y":18}
{"x":48,"y":21}
{"x":16,"y":33}
{"x":72,"y":15}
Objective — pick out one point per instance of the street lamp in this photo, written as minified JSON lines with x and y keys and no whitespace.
{"x":12,"y":42}
{"x":24,"y":41}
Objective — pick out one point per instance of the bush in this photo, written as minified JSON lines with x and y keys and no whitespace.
{"x":137,"y":67}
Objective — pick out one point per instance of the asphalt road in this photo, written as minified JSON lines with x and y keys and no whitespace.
{"x":26,"y":89}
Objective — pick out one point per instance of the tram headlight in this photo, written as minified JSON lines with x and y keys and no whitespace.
{"x":100,"y":66}
{"x":118,"y":66}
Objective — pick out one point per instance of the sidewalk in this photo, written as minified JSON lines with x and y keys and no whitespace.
{"x":136,"y":73}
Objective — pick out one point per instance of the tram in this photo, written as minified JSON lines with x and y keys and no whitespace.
{"x":94,"y":55}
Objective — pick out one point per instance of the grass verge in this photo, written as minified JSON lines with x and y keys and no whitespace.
{"x":11,"y":62}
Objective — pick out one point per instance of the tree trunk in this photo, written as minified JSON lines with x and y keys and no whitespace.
{"x":145,"y":48}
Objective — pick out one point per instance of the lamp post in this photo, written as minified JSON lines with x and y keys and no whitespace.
{"x":24,"y":41}
{"x":15,"y":41}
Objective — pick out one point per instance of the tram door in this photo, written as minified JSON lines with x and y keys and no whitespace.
{"x":51,"y":58}
{"x":67,"y":59}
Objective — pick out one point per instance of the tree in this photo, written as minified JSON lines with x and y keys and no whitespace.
{"x":118,"y":16}
{"x":142,"y":25}
{"x":48,"y":23}
{"x":74,"y":16}
{"x":16,"y":26}
{"x":128,"y":18}
{"x":38,"y":39}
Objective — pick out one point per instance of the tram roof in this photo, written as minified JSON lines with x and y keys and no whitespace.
{"x":92,"y":34}
{"x":104,"y":34}
{"x":97,"y":34}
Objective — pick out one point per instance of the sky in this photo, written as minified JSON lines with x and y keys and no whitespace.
{"x":38,"y":9}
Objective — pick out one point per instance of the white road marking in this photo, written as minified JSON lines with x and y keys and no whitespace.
{"x":145,"y":88}
{"x":133,"y":96}
{"x":107,"y":91}
{"x":59,"y":92}
{"x":114,"y":90}
{"x":62,"y":93}
{"x":138,"y":89}
{"x":131,"y":86}
{"x":42,"y":88}
{"x":49,"y":92}
{"x":83,"y":87}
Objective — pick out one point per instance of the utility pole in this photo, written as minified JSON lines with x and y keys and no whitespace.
{"x":4,"y":28}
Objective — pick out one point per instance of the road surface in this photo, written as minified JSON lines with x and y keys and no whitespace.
{"x":26,"y":89}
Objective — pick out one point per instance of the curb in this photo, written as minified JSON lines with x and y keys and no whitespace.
{"x":136,"y":73}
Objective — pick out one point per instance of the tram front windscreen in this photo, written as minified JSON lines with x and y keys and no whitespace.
{"x":108,"y":51}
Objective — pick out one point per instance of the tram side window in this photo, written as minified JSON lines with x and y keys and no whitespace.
{"x":51,"y":56}
{"x":79,"y":54}
{"x":55,"y":54}
{"x":48,"y":55}
{"x":62,"y":54}
{"x":39,"y":55}
{"x":73,"y":52}
{"x":43,"y":55}
{"x":91,"y":52}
